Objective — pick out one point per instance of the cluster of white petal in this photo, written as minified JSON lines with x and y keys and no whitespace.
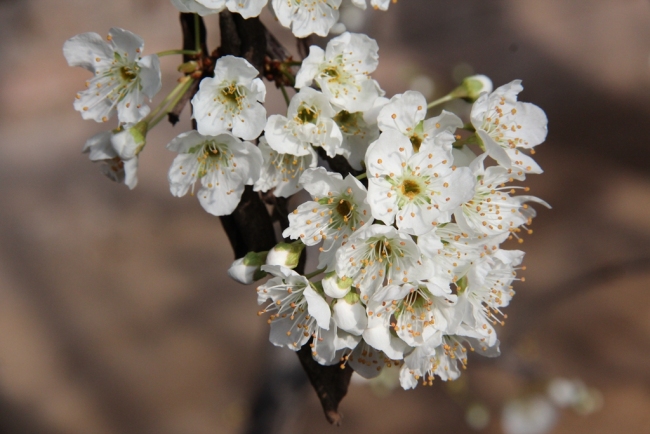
{"x":228,"y":112}
{"x":121,"y":81}
{"x":415,"y":275}
{"x":413,"y":271}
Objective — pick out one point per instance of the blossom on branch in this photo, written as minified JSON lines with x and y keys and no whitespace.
{"x":231,"y":100}
{"x":342,"y":71}
{"x":308,"y":123}
{"x":223,"y":164}
{"x":122,"y":77}
{"x":305,"y":17}
{"x":505,"y":127}
{"x":338,"y":209}
{"x":246,"y":8}
{"x":281,"y":172}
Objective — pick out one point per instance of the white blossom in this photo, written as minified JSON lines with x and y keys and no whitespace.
{"x":406,"y":113}
{"x":297,"y":310}
{"x":452,"y":251}
{"x":374,"y":254}
{"x":231,"y":100}
{"x":420,"y":311}
{"x":359,"y":130}
{"x":100,"y":148}
{"x":417,"y":190}
{"x":246,"y":8}
{"x":282,"y":171}
{"x":488,"y":291}
{"x":505,"y":127}
{"x":121,"y":76}
{"x":223,"y":164}
{"x":338,"y":209}
{"x":368,"y":361}
{"x":305,"y":17}
{"x":342,"y":71}
{"x":309,"y":123}
{"x":491,"y":210}
{"x":377,"y":4}
{"x":444,"y":360}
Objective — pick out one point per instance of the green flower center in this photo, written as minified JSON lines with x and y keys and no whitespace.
{"x":127,"y":73}
{"x":306,"y":115}
{"x":410,"y":188}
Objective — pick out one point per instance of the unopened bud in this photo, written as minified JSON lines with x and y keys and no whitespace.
{"x":350,"y":314}
{"x":247,"y":270}
{"x":128,"y":142}
{"x":472,"y":87}
{"x":285,"y":254}
{"x":336,"y":287}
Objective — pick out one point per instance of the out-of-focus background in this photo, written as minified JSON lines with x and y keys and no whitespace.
{"x":116,"y":315}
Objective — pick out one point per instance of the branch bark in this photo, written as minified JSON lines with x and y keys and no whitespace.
{"x":250,"y":227}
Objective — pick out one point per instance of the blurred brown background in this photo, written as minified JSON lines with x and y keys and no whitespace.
{"x":116,"y":315}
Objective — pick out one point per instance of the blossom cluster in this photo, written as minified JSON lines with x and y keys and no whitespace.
{"x":414,"y":274}
{"x":411,"y":269}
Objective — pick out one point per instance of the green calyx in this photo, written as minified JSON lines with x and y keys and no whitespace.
{"x":293,"y":252}
{"x":461,"y":284}
{"x":352,"y":298}
{"x":255,"y":259}
{"x":470,"y":89}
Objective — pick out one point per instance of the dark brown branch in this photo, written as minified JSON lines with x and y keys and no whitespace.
{"x":188,"y":25}
{"x":330,"y":382}
{"x":205,"y":64}
{"x":249,"y":226}
{"x":243,"y":38}
{"x":338,"y":164}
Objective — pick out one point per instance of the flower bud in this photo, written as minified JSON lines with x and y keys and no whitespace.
{"x":285,"y":254}
{"x":350,"y":314}
{"x":247,"y":270}
{"x":129,"y":142}
{"x":472,"y":87}
{"x":336,"y":287}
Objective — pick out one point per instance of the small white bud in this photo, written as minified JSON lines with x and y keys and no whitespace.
{"x":336,"y":287}
{"x":247,"y":270}
{"x":285,"y":254}
{"x":128,"y":142}
{"x":350,"y":314}
{"x":472,"y":87}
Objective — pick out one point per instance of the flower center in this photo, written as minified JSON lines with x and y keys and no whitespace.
{"x":344,"y":208}
{"x":306,"y":115}
{"x":410,"y":188}
{"x":231,"y":93}
{"x":383,"y":249}
{"x":331,"y":72}
{"x":127,"y":73}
